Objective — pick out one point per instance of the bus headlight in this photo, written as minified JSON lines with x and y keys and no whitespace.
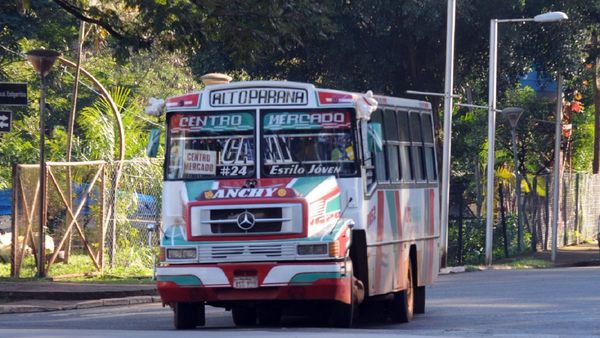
{"x":312,"y":249}
{"x":181,"y":253}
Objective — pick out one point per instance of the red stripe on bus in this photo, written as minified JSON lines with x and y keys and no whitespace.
{"x":431,"y":245}
{"x":398,"y":246}
{"x":398,"y":205}
{"x":379,"y":250}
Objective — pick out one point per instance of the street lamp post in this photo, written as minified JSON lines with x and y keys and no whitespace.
{"x":448,"y":95}
{"x":513,"y":114}
{"x":546,"y":17}
{"x":42,"y":60}
{"x":556,"y":166}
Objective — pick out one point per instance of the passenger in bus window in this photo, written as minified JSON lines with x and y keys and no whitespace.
{"x":175,"y":162}
{"x":343,"y":149}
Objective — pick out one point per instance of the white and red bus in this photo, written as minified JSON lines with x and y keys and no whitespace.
{"x":280,"y":196}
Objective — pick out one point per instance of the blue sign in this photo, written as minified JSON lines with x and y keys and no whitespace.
{"x":5,"y":121}
{"x":13,"y":94}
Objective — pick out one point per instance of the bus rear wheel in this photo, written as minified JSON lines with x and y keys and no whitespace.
{"x":187,"y":316}
{"x":402,"y":306}
{"x":420,"y":299}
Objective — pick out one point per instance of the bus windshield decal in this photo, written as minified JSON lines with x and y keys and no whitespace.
{"x":205,"y":122}
{"x":330,"y":119}
{"x":209,"y":145}
{"x":200,"y":162}
{"x":308,"y":143}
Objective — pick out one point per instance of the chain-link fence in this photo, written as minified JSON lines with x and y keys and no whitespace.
{"x":578,"y":217}
{"x":90,"y":224}
{"x":133,"y":227}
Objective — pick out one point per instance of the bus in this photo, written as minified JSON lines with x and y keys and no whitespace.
{"x":280,"y":197}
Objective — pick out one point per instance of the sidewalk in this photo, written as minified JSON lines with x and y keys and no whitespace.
{"x":39,"y":296}
{"x":587,"y":254}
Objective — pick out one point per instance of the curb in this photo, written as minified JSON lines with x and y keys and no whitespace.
{"x":18,"y":308}
{"x":64,"y":295}
{"x":461,"y":269}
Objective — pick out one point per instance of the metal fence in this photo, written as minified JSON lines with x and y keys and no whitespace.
{"x":103,"y":212}
{"x":578,"y":217}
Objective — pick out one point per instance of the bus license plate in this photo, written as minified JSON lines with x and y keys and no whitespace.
{"x":245,"y":282}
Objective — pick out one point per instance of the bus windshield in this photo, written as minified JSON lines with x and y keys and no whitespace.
{"x":308,"y":143}
{"x":211,"y":145}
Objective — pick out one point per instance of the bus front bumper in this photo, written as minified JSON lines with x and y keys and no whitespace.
{"x":253,"y":282}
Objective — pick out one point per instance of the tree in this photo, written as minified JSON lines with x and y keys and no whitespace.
{"x":252,"y":29}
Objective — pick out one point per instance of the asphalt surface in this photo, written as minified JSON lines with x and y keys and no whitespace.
{"x":38,"y":296}
{"x":545,"y":303}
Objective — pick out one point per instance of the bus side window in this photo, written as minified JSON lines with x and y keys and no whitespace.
{"x":429,"y":147}
{"x":379,"y":154}
{"x":392,"y":142}
{"x":417,"y":147}
{"x":405,"y":149}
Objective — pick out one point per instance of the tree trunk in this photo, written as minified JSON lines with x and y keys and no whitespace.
{"x":70,"y":129}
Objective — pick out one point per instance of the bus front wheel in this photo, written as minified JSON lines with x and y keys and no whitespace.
{"x":402,"y":306}
{"x":187,"y":316}
{"x":269,"y":315}
{"x":345,"y":315}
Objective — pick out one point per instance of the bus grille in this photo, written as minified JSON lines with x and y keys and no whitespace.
{"x":246,"y":252}
{"x":267,"y":220}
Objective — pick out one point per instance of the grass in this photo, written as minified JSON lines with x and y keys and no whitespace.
{"x":515,"y":263}
{"x":82,"y":269}
{"x":528,"y":263}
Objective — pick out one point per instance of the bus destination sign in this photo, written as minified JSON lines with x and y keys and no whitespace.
{"x":258,"y":96}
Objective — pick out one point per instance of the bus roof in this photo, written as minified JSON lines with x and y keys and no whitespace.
{"x":278,"y":94}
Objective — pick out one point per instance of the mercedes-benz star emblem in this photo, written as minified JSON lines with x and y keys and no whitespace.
{"x":246,"y":220}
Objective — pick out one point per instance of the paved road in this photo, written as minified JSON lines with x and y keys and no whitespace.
{"x":503,"y":303}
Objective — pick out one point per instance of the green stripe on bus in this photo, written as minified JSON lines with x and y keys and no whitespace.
{"x":184,"y":280}
{"x":305,"y":185}
{"x":390,"y":197}
{"x":311,"y":277}
{"x":194,"y":189}
{"x":333,"y":204}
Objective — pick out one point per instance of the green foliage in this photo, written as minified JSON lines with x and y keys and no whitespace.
{"x":528,"y":263}
{"x":100,"y":130}
{"x":473,"y":245}
{"x":130,"y":252}
{"x":156,"y":48}
{"x":80,"y":267}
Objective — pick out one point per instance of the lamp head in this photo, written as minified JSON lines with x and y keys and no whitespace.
{"x":550,"y":17}
{"x":215,"y":79}
{"x":512,"y":114}
{"x":42,"y":60}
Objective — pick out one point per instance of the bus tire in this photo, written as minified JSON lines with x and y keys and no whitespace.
{"x":344,"y":315}
{"x":402,"y":306}
{"x":269,"y":315}
{"x":187,"y":316}
{"x":420,"y":299}
{"x":243,"y":316}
